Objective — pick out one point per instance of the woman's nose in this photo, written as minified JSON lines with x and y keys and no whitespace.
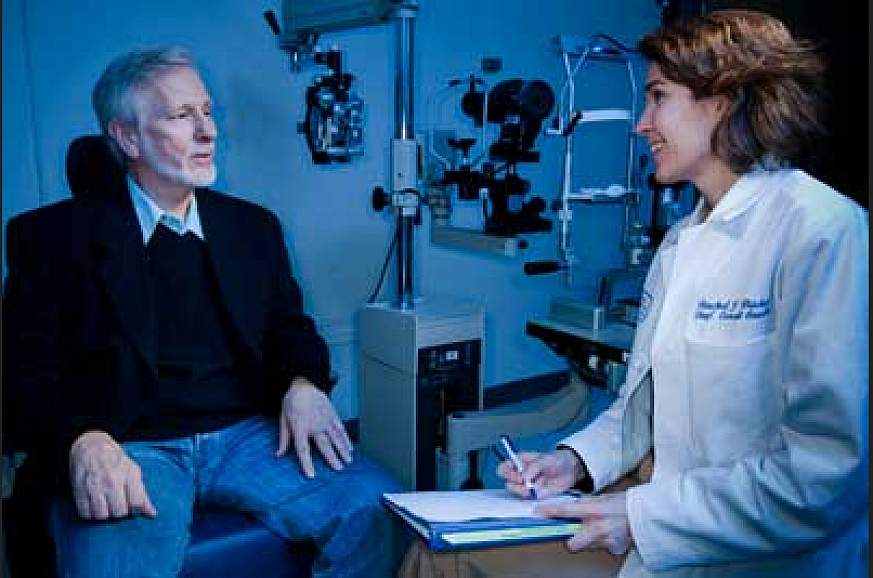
{"x":643,"y":125}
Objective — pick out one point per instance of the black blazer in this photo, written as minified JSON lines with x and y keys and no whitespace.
{"x":79,"y":334}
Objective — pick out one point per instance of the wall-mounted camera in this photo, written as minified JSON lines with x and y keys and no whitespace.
{"x":334,"y":124}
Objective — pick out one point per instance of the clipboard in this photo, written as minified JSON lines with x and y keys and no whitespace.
{"x":474,"y":519}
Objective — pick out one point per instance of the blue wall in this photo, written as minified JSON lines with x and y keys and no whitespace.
{"x":54,"y":50}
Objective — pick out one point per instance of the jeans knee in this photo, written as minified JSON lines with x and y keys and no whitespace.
{"x":362,"y":497}
{"x":372,"y":481}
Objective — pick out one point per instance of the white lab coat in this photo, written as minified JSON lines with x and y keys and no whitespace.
{"x":748,"y":378}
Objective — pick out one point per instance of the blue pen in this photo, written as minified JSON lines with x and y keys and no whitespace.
{"x":510,"y":450}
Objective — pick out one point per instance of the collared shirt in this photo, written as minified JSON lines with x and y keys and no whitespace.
{"x":150,"y":214}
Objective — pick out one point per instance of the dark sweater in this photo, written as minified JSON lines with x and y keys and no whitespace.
{"x":200,"y":386}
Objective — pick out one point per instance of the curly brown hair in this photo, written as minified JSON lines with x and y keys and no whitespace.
{"x":772,"y":80}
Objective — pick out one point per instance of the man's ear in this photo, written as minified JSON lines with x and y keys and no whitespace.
{"x":126,"y":137}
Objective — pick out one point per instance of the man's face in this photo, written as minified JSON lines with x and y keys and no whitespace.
{"x":173,"y":141}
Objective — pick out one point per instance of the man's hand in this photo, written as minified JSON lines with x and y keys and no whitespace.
{"x":307,"y":413}
{"x":106,"y":482}
{"x":550,"y":473}
{"x":604,"y":522}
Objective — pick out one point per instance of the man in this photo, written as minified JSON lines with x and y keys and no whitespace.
{"x":154,"y":333}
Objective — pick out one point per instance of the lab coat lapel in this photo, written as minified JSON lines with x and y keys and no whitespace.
{"x":225,"y":248}
{"x":668,"y":261}
{"x":708,"y":254}
{"x":122,"y":269}
{"x":709,"y":250}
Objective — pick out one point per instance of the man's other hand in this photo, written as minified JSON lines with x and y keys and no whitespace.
{"x":106,"y":482}
{"x":308,"y":414}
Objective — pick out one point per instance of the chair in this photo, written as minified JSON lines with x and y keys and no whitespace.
{"x":224,"y":543}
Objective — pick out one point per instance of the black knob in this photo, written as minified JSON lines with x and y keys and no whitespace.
{"x":541,"y":267}
{"x":381,"y":199}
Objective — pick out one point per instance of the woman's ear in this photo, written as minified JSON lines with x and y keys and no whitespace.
{"x":721,"y":104}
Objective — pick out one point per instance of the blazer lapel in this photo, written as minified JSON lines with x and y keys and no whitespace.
{"x":226,"y":253}
{"x":122,"y":267}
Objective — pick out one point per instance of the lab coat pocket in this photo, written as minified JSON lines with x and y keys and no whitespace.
{"x":732,"y":398}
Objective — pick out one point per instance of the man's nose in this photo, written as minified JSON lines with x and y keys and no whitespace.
{"x":204,"y":128}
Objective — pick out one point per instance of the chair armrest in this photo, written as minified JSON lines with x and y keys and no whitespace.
{"x":475,"y":430}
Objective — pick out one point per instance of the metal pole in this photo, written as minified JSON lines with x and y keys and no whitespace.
{"x":403,"y":78}
{"x":403,"y":130}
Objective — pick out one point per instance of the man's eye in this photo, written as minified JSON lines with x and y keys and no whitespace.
{"x":180,"y":115}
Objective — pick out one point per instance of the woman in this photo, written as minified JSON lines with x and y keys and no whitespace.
{"x":748,"y":376}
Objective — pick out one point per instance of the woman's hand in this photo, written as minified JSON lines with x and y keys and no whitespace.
{"x":550,"y":473}
{"x":604,"y":522}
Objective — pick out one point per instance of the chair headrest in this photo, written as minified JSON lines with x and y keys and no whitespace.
{"x":91,"y":167}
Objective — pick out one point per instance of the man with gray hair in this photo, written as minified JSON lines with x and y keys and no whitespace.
{"x":154,"y":334}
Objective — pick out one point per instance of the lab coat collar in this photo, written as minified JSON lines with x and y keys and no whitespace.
{"x":740,"y":197}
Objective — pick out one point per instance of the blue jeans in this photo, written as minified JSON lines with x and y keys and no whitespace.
{"x":235,"y":467}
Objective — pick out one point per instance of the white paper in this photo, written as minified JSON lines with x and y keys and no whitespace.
{"x":469,"y":505}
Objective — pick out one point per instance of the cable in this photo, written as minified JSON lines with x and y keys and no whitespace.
{"x":375,"y":294}
{"x":612,"y":40}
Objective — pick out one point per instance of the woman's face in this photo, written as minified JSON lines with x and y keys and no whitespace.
{"x":679,"y":130}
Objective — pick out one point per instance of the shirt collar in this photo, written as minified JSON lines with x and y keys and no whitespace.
{"x":150,"y":214}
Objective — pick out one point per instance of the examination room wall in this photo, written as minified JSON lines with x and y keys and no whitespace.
{"x":54,"y":50}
